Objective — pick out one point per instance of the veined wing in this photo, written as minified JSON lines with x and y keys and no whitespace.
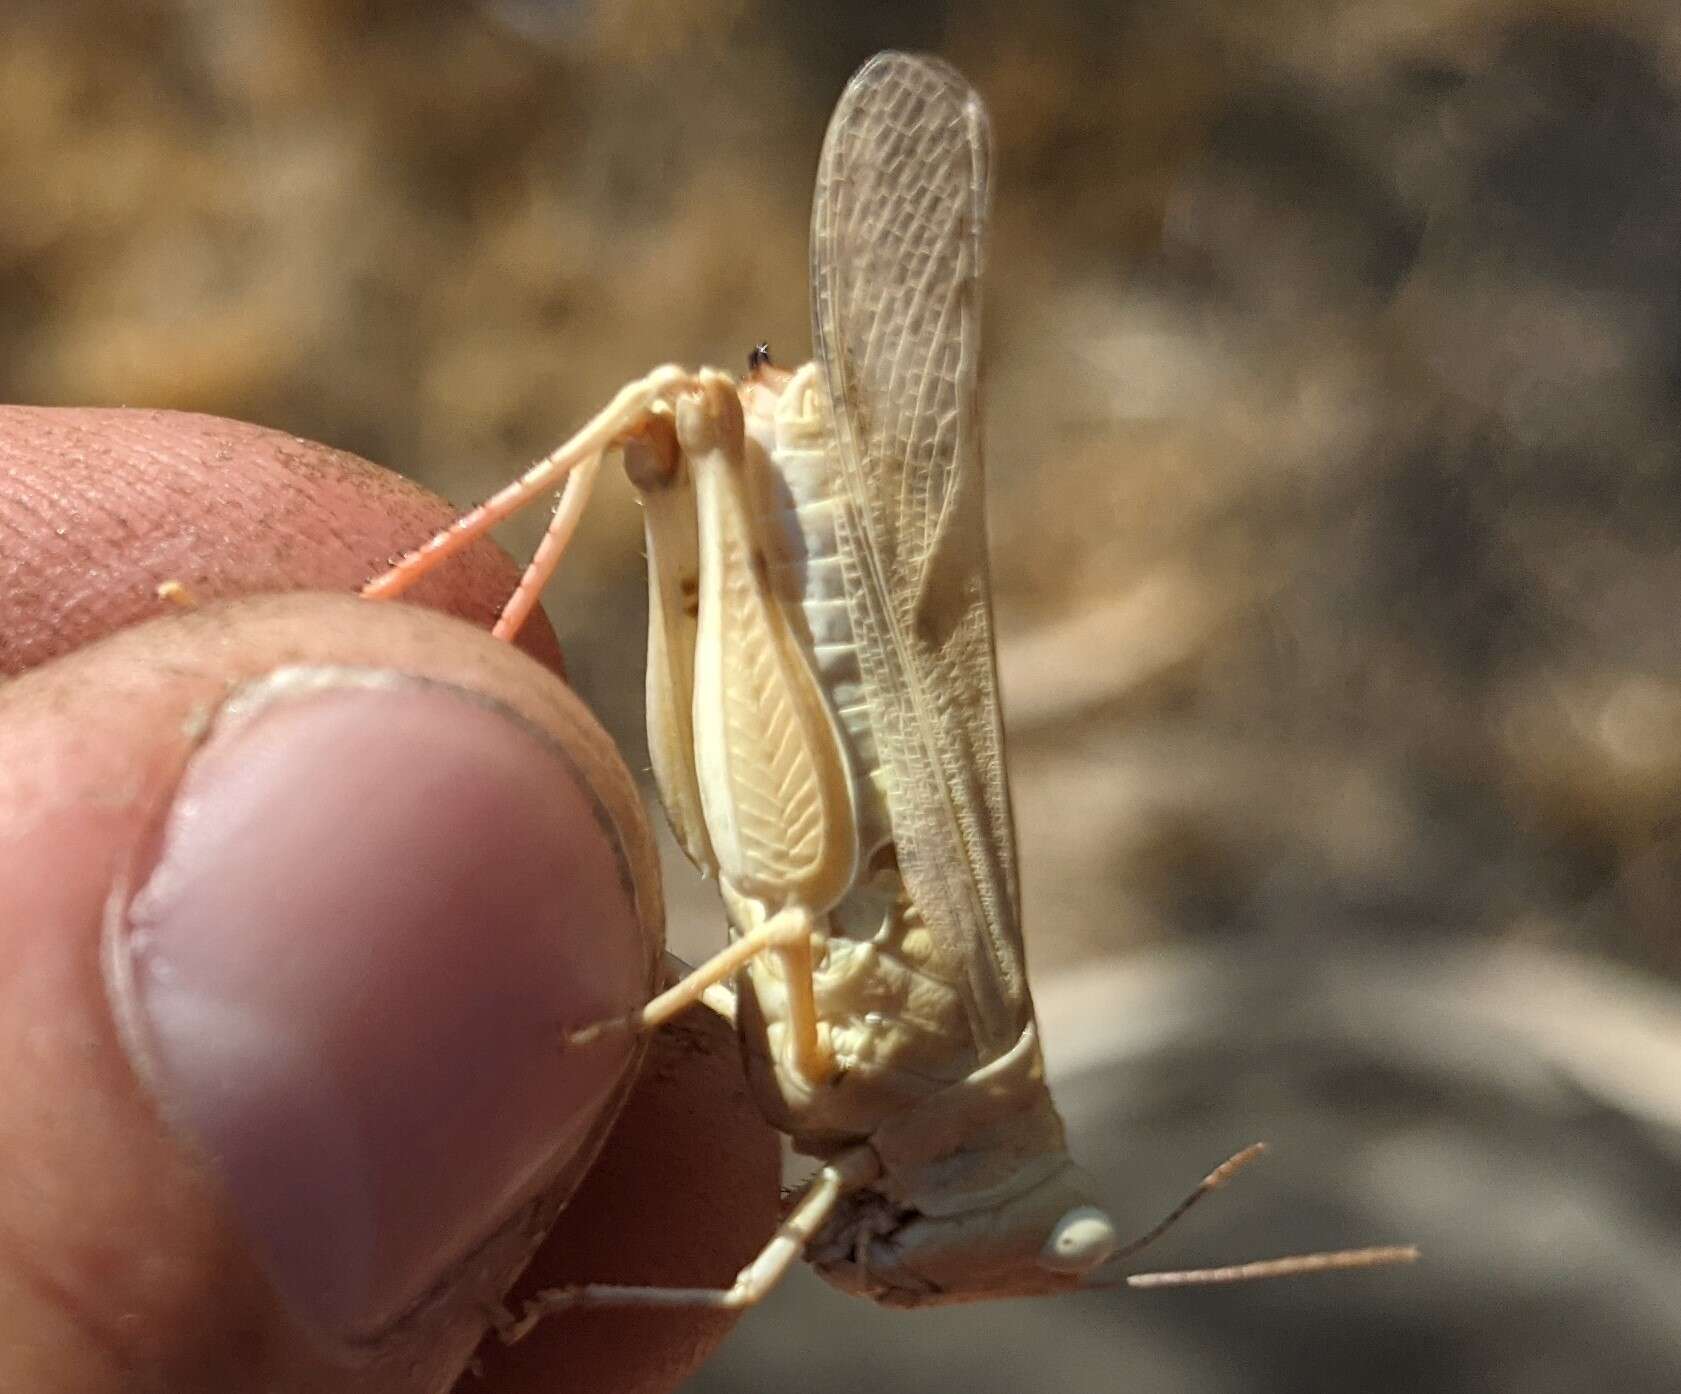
{"x":898,"y":220}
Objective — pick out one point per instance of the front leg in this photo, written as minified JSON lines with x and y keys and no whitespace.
{"x":849,"y":1172}
{"x":621,"y":418}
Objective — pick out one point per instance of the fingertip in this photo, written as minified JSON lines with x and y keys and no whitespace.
{"x":141,"y":1200}
{"x":140,"y":499}
{"x":376,"y":905}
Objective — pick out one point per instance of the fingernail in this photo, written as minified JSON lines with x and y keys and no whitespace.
{"x":374,"y":905}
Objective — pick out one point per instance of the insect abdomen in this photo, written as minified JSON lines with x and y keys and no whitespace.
{"x":798,"y":509}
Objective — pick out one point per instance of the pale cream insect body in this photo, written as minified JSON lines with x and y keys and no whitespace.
{"x":824,"y":721}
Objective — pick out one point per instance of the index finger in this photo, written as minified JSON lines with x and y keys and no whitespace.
{"x":100,"y":506}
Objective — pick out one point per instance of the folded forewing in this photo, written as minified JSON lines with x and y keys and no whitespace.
{"x":897,"y":226}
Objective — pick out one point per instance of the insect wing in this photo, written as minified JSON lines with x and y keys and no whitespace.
{"x":898,"y":220}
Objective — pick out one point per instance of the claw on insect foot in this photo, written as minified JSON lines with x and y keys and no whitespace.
{"x":548,"y":1301}
{"x":600,"y":1030}
{"x":500,"y":1320}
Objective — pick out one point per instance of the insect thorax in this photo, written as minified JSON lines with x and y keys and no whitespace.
{"x":977,"y":1199}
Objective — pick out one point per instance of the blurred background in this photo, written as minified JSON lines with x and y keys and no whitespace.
{"x":1334,"y":377}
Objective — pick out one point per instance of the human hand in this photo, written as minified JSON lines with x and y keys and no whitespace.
{"x":296,"y":893}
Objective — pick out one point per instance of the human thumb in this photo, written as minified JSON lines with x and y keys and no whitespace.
{"x":295,"y":897}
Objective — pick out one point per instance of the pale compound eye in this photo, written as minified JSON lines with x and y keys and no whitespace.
{"x":1080,"y":1241}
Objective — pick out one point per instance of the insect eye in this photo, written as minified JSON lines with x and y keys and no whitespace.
{"x":1080,"y":1240}
{"x":651,"y":455}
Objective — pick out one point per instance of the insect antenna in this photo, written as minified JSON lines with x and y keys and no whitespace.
{"x":1210,"y":1183}
{"x":1295,"y":1265}
{"x":1380,"y":1256}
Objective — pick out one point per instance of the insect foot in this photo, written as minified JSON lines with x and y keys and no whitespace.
{"x":631,"y":1024}
{"x":177,"y":593}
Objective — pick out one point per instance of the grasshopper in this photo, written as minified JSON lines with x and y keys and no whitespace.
{"x":825,"y":730}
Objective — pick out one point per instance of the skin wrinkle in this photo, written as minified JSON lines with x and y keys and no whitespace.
{"x":104,"y":1336}
{"x":74,"y":1090}
{"x":168,"y":488}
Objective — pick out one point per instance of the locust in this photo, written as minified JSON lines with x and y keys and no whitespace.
{"x":826,"y":738}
